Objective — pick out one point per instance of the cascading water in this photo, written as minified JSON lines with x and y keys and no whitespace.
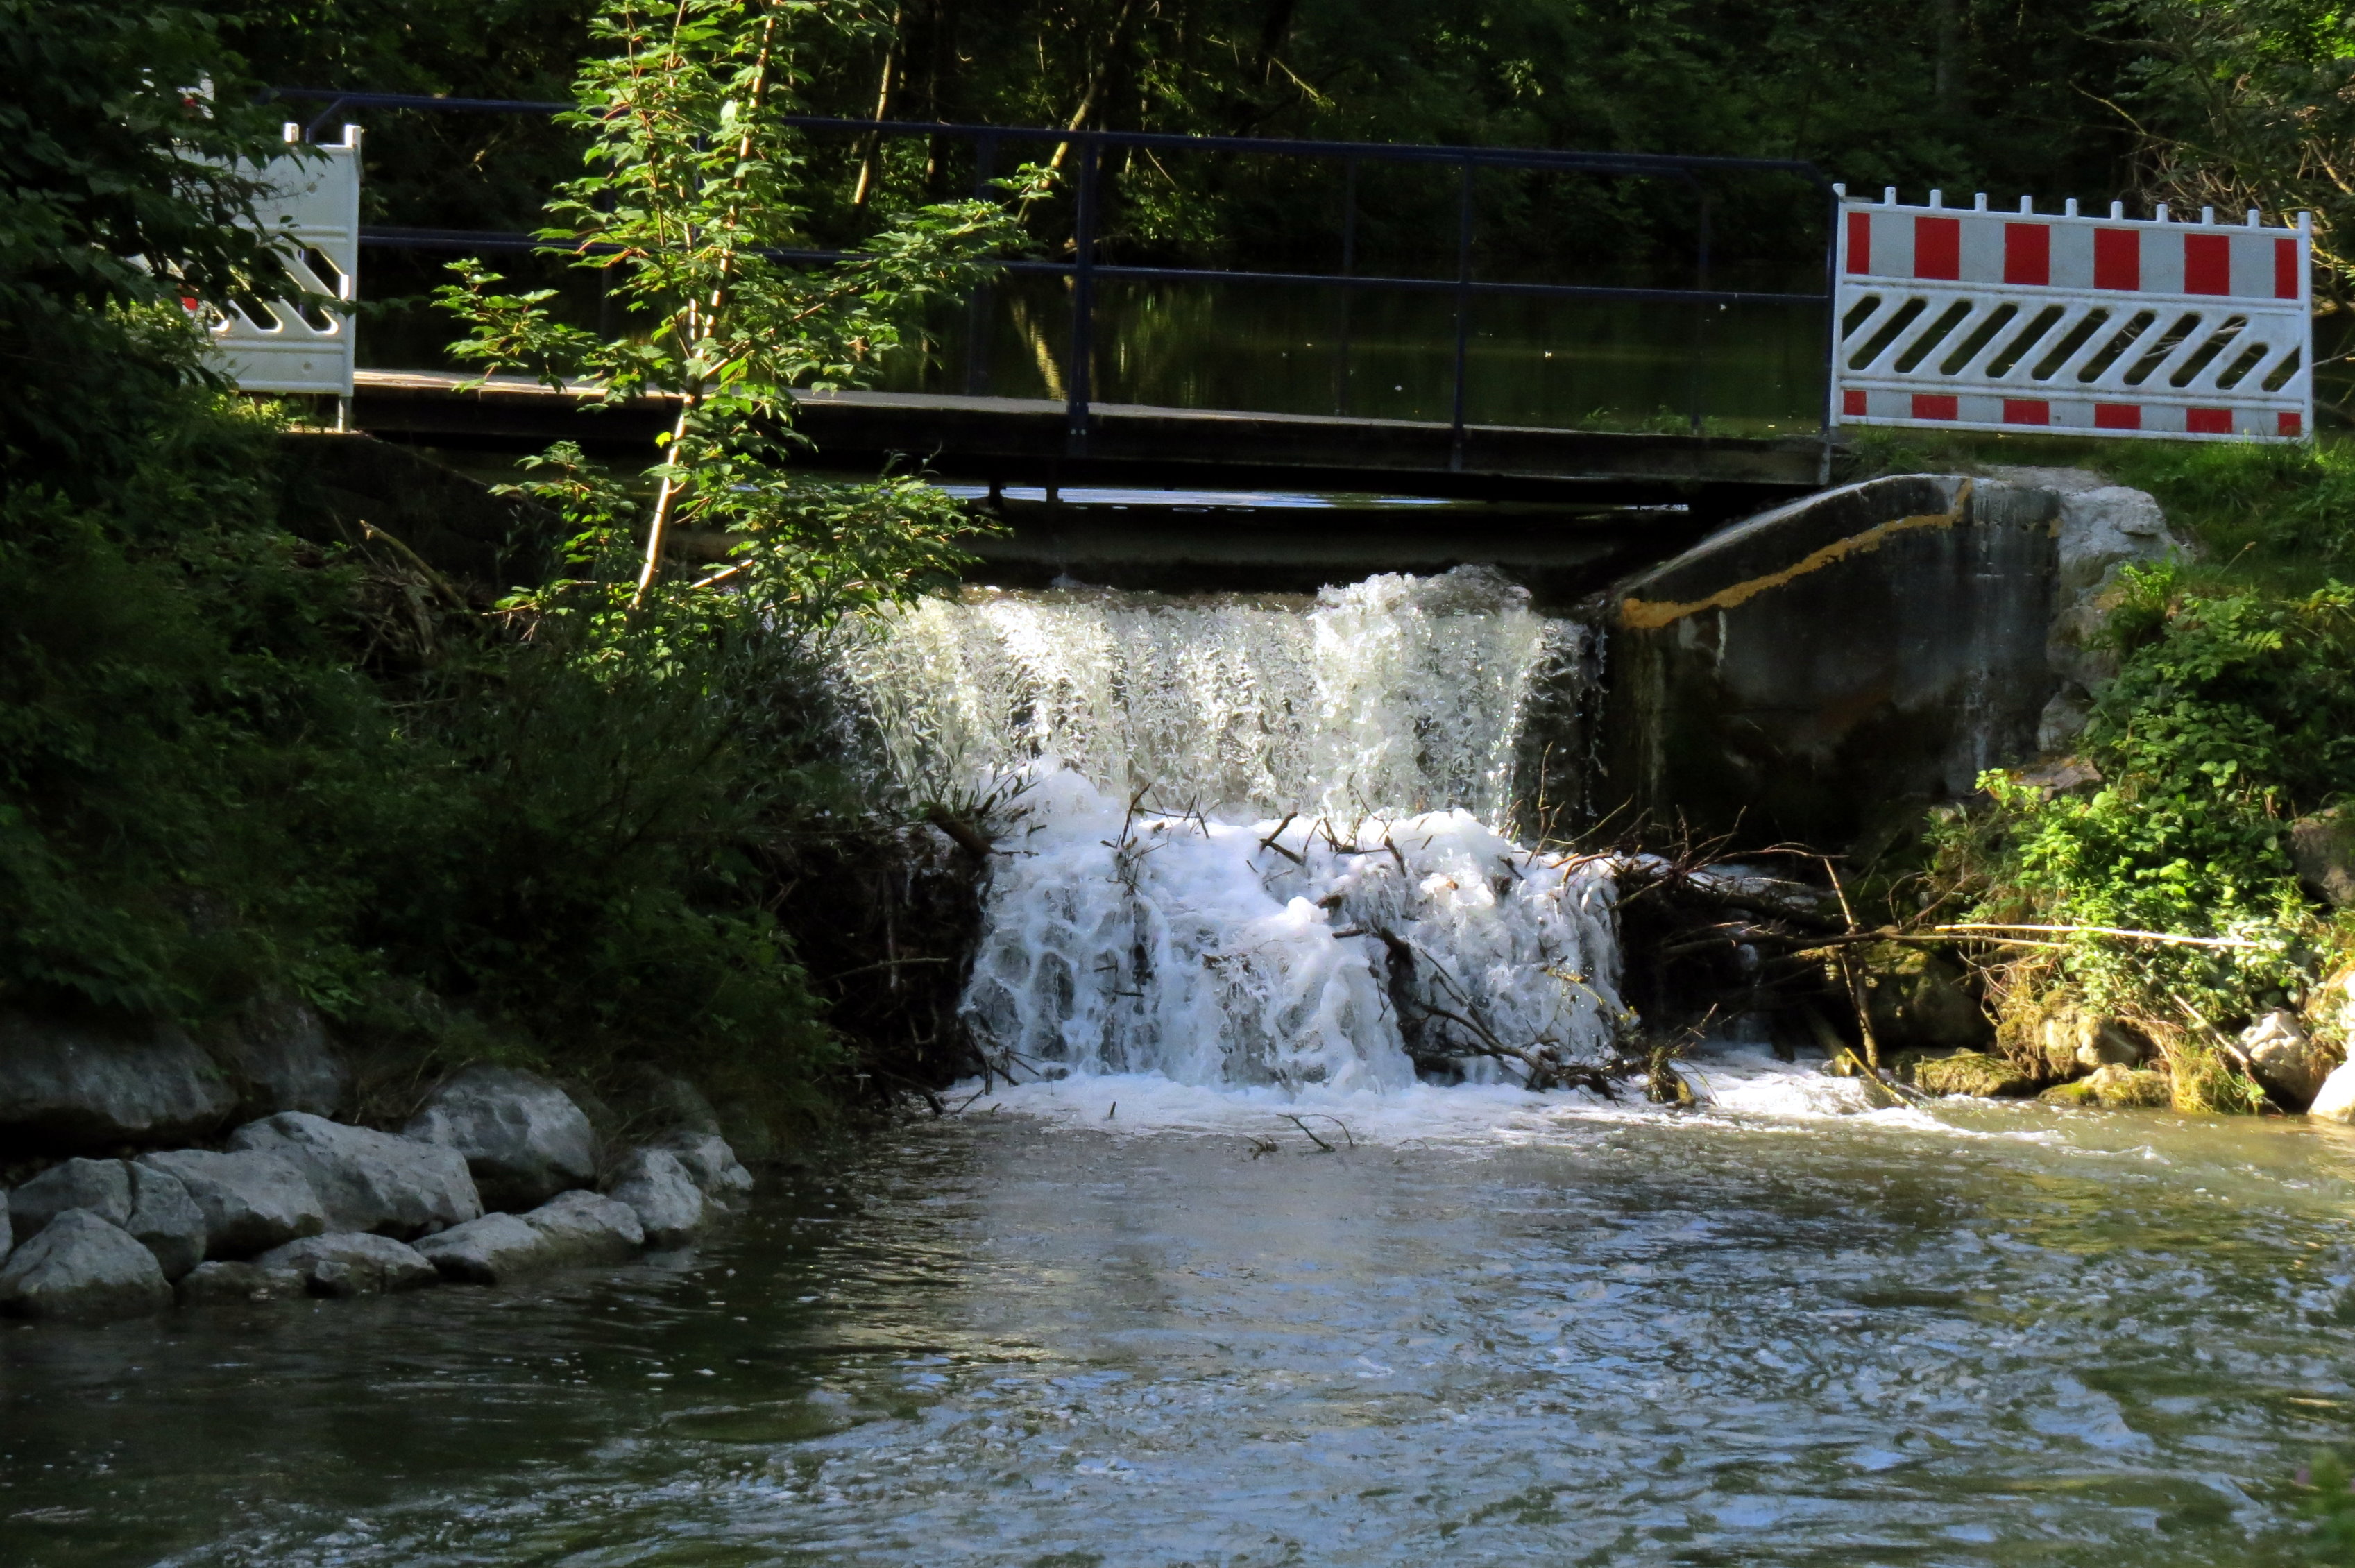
{"x":1259,"y":840}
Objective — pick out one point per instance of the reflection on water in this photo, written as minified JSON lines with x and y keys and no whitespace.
{"x":1097,"y":1324}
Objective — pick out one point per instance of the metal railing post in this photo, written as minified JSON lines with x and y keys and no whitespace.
{"x":977,"y":310}
{"x":1831,"y":326}
{"x":1083,"y":304}
{"x":1349,"y":269}
{"x":1463,"y":313}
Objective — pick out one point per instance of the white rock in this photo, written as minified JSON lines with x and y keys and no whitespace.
{"x":351,"y":1263}
{"x":252,"y":1200}
{"x":2335,"y":1101}
{"x":522,"y":1136}
{"x":668,"y":1203}
{"x":165,"y":1220}
{"x":100,"y":1187}
{"x":585,"y":1229}
{"x":82,"y":1269}
{"x":710,"y":1164}
{"x":492,"y":1250}
{"x":2284,"y":1059}
{"x":369,"y":1181}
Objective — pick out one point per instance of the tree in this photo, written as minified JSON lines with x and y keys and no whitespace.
{"x":690,"y":208}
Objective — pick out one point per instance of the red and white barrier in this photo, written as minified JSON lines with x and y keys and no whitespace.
{"x":279,"y":344}
{"x":1973,"y":319}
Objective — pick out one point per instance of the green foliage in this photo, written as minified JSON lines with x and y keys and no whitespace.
{"x":2231,"y":714}
{"x":2327,"y":1496}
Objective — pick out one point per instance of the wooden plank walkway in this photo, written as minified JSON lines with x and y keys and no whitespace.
{"x":1025,"y":441}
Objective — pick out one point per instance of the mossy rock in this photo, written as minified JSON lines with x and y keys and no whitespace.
{"x":1921,"y":1000}
{"x":2116,"y":1088}
{"x":1970,"y":1072}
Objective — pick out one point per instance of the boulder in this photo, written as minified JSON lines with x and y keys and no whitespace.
{"x":1971,"y":1072}
{"x":165,"y":1220}
{"x":2101,"y":529}
{"x":218,"y":1282}
{"x":655,"y":1184}
{"x":251,"y":1199}
{"x":1920,"y":1001}
{"x":68,"y":1086}
{"x":522,"y":1136}
{"x":709,"y":1163}
{"x":278,"y":1058}
{"x":2322,"y":853}
{"x":369,"y":1181}
{"x":2070,"y":1041}
{"x":100,"y":1187}
{"x":2335,"y":1101}
{"x":80,"y":1269}
{"x":2285,"y":1059}
{"x":2116,"y":1088}
{"x":494,"y":1250}
{"x":351,"y":1263}
{"x":585,"y":1229}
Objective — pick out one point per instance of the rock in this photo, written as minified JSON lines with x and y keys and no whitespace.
{"x":1971,"y":1072}
{"x":522,"y":1137}
{"x":668,"y":1203}
{"x":80,"y":1269}
{"x":369,"y":1181}
{"x":2285,"y":1059}
{"x":101,"y":1187}
{"x":492,"y":1250}
{"x":7,"y":1229}
{"x":2335,"y":1101}
{"x":681,"y":1104}
{"x":351,"y":1263}
{"x":2099,"y":532}
{"x":2064,"y":776}
{"x":1921,"y":1001}
{"x":69,"y":1086}
{"x":583,"y":1229}
{"x":251,"y":1199}
{"x":709,"y":1163}
{"x":2070,"y":1041}
{"x":218,"y":1282}
{"x":165,"y":1220}
{"x":2322,"y":852}
{"x":2116,"y":1088}
{"x":278,"y":1058}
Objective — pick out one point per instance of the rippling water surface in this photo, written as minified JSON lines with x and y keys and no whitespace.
{"x":1115,"y":1322}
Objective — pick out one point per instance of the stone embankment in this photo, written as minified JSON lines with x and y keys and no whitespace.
{"x":499,"y":1176}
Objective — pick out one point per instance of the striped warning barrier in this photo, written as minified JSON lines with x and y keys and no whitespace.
{"x":1986,"y":320}
{"x":288,"y":344}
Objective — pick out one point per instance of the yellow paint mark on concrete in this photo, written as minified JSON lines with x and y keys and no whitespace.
{"x":1650,"y":615}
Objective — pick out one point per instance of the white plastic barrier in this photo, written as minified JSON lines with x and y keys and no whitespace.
{"x":282,"y":345}
{"x":1979,"y":320}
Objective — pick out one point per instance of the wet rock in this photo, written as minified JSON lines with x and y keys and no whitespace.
{"x":522,"y":1136}
{"x":368,"y":1180}
{"x":2322,"y":852}
{"x":2285,"y":1059}
{"x":583,"y":1229}
{"x":82,"y":1269}
{"x":68,"y":1086}
{"x":101,"y":1187}
{"x":252,"y":1200}
{"x":1971,"y":1072}
{"x":1922,"y":1001}
{"x":667,"y":1201}
{"x":494,"y":1250}
{"x":165,"y":1220}
{"x":2115,"y":1087}
{"x":351,"y":1263}
{"x":2335,"y":1101}
{"x":213,"y":1282}
{"x":278,"y":1057}
{"x":709,"y":1163}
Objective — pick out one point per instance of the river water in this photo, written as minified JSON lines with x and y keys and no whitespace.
{"x":1255,"y":1247}
{"x":1103,"y":1321}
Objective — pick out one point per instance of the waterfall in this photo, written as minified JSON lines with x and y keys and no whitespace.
{"x":1259,"y":839}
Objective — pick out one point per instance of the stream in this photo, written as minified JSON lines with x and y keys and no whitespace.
{"x":1255,"y":1247}
{"x":1103,"y":1321}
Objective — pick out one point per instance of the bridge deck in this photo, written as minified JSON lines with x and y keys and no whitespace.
{"x":1024,"y":440}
